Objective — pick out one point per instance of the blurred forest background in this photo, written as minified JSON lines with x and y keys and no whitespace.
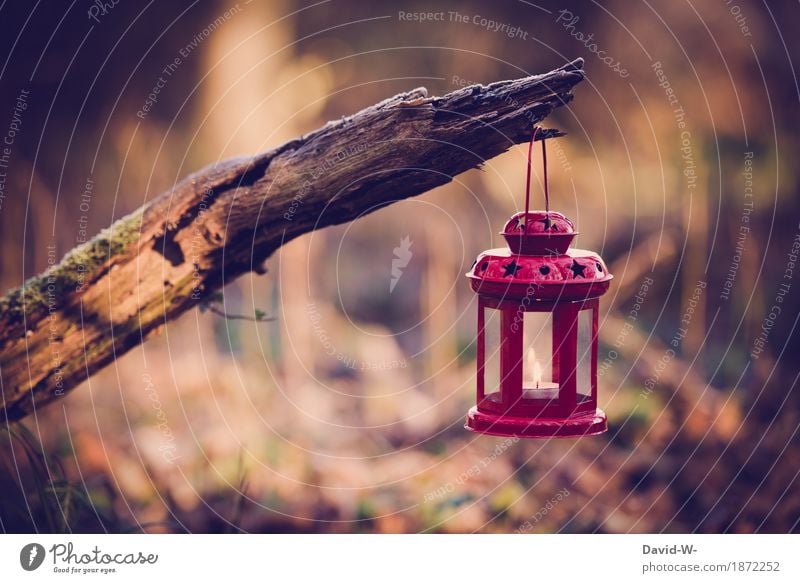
{"x":345,"y":413}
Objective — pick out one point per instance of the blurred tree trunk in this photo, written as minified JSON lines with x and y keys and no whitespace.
{"x":108,"y":295}
{"x":243,"y":60}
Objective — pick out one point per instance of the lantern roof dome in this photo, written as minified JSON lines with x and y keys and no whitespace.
{"x":539,"y":233}
{"x":539,"y":223}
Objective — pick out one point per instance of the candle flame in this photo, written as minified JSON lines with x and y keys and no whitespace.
{"x":535,"y":367}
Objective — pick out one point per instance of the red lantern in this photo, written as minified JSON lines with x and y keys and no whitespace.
{"x":537,"y":329}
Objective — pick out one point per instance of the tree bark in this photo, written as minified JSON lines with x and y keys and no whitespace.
{"x":109,"y":294}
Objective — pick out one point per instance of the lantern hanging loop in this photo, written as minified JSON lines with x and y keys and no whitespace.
{"x":544,"y":176}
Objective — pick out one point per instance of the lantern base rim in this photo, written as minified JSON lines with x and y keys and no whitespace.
{"x":536,"y":427}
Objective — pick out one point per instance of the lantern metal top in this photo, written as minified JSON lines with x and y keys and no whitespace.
{"x":538,"y":262}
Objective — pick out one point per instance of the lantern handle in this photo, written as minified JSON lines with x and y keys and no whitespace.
{"x":544,"y":167}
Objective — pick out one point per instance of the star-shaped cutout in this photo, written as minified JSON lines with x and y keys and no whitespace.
{"x":521,"y":223}
{"x":577,"y":269}
{"x":511,"y":269}
{"x":548,"y":224}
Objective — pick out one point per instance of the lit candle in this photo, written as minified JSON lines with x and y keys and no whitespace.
{"x":534,"y":375}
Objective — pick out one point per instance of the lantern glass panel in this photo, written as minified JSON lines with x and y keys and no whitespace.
{"x":537,"y":355}
{"x":583,"y":373}
{"x":491,"y":368}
